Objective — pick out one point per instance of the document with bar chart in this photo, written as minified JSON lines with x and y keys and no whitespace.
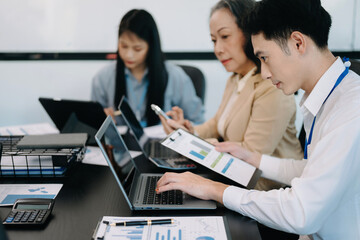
{"x":197,"y":228}
{"x":205,"y":154}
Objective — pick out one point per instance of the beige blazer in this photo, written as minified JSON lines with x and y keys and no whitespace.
{"x":262,"y":120}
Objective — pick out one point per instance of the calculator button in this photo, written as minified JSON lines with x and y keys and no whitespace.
{"x":39,"y":219}
{"x":12,"y":214}
{"x":25,"y":217}
{"x":9,"y":219}
{"x":21,"y":213}
{"x":33,"y":214}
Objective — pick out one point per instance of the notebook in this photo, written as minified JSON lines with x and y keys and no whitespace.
{"x":75,"y":116}
{"x":139,"y":188}
{"x":152,"y":148}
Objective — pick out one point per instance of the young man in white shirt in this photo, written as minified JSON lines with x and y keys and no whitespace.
{"x":323,"y":202}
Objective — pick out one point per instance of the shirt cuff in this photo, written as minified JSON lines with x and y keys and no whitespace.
{"x":269,"y":167}
{"x":232,"y":196}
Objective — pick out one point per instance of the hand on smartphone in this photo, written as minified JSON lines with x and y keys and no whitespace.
{"x":176,"y":121}
{"x":159,"y":111}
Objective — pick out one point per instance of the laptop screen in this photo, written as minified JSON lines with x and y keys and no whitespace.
{"x":75,"y":116}
{"x":130,"y":117}
{"x":115,"y":153}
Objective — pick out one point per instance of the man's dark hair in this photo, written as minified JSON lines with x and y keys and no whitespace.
{"x":240,"y":9}
{"x":142,"y":24}
{"x":277,"y":19}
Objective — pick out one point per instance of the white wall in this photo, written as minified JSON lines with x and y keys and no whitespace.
{"x":343,"y":30}
{"x":23,"y":82}
{"x":356,"y":26}
{"x":91,"y":25}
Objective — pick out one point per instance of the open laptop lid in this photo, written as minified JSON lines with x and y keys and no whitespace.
{"x":132,"y":122}
{"x":127,"y":174}
{"x":140,"y":137}
{"x":75,"y":116}
{"x":117,"y":156}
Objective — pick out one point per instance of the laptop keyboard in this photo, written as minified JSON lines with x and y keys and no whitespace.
{"x":157,"y":150}
{"x":172,"y":197}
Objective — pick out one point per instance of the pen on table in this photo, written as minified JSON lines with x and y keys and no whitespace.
{"x":117,"y":113}
{"x":146,"y":222}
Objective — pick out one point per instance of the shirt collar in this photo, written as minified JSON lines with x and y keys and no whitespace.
{"x":130,"y":76}
{"x":316,"y":98}
{"x":242,"y":81}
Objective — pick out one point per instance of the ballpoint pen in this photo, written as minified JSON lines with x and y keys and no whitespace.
{"x":145,"y":222}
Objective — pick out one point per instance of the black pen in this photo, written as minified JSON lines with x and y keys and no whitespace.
{"x":146,"y":222}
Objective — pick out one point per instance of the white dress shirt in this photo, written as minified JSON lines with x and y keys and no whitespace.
{"x":324,"y":198}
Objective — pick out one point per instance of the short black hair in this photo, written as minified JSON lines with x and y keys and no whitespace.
{"x":277,"y":19}
{"x":142,"y":24}
{"x":240,"y":9}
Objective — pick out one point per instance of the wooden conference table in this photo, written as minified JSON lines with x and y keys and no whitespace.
{"x":90,"y":192}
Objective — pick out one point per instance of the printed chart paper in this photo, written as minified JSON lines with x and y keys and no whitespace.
{"x":197,"y":228}
{"x":10,"y":192}
{"x":205,"y":154}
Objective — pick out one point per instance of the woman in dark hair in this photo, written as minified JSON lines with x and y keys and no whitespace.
{"x":143,"y":76}
{"x":253,"y":112}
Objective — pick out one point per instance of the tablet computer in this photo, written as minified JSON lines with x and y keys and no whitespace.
{"x":204,"y":153}
{"x":75,"y":116}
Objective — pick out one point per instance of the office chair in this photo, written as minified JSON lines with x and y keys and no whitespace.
{"x":198,"y":79}
{"x":355,"y":66}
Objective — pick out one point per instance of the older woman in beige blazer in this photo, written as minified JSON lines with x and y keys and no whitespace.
{"x":253,"y":112}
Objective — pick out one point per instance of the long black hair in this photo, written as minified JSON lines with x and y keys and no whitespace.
{"x":141,"y":23}
{"x":240,"y":10}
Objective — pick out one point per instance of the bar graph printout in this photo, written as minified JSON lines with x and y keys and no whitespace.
{"x":197,"y":228}
{"x":205,"y":154}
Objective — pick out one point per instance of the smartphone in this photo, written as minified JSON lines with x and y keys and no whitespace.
{"x":159,"y":111}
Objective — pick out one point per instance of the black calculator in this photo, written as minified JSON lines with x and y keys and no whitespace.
{"x":29,"y":212}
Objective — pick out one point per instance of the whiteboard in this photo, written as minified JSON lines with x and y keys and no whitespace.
{"x":92,"y":25}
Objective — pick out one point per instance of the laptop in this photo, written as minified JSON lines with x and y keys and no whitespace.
{"x":75,"y":116}
{"x":161,"y":156}
{"x":139,"y":188}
